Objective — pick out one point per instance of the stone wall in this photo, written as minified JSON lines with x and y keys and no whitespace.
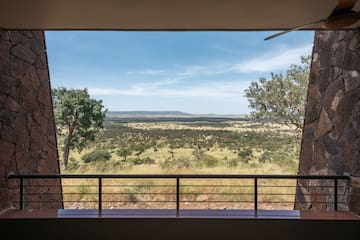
{"x":27,"y":131}
{"x":331,"y":136}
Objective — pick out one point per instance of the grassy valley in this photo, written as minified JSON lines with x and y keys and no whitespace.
{"x":150,"y":145}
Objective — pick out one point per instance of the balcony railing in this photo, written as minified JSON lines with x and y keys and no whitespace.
{"x":179,"y":191}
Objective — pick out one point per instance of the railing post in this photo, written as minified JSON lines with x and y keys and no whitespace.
{"x":255,"y":194}
{"x":335,"y":194}
{"x":21,"y":202}
{"x":100,"y":194}
{"x":177,"y":194}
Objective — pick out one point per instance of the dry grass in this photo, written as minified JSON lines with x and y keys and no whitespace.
{"x":195,"y":194}
{"x":235,"y":126}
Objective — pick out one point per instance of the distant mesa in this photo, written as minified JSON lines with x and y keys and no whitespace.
{"x":146,"y":113}
{"x":170,"y":116}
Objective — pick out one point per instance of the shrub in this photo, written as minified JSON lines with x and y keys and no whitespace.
{"x":139,"y":161}
{"x":166,"y":164}
{"x":124,"y":152}
{"x":135,"y":161}
{"x":209,"y":161}
{"x":232,"y":162}
{"x":183,"y":162}
{"x":245,"y":155}
{"x":265,"y":157}
{"x":73,"y":164}
{"x":96,"y":155}
{"x":171,"y":163}
{"x":254,"y":165}
{"x":148,"y":160}
{"x":198,"y":154}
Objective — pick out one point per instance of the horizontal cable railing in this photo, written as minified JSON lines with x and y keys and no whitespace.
{"x":179,"y":191}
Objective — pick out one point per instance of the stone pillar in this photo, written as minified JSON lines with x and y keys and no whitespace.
{"x":331,"y":135}
{"x":27,"y":130}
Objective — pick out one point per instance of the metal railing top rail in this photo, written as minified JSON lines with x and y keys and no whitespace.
{"x":191,"y":176}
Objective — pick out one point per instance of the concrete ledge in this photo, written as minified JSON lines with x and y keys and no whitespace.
{"x":181,"y":214}
{"x":188,"y":224}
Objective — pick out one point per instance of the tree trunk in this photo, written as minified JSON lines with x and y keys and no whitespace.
{"x":66,"y":152}
{"x":67,"y":143}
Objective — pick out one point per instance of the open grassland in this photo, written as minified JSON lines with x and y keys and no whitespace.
{"x":233,"y":147}
{"x":194,"y":194}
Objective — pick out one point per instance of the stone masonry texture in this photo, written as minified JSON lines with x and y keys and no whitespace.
{"x":331,"y":135}
{"x":27,"y":130}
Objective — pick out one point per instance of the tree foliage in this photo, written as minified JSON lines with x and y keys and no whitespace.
{"x":78,"y":118}
{"x":282,"y":98}
{"x":96,"y":155}
{"x":124,"y":152}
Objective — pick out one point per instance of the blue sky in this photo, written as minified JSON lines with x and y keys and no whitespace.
{"x":193,"y":72}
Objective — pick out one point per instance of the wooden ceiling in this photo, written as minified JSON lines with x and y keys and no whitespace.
{"x":163,"y":14}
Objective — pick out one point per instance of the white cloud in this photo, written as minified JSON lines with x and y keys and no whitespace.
{"x":148,"y":72}
{"x":277,"y":59}
{"x":172,"y":87}
{"x":111,"y":91}
{"x":154,"y":84}
{"x":137,"y":89}
{"x":210,"y":69}
{"x":217,"y":89}
{"x":273,"y":61}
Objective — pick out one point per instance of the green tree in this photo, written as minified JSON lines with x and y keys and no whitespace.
{"x":245,"y":154}
{"x":139,"y":149}
{"x":282,"y":98}
{"x":124,"y":152}
{"x":78,"y":118}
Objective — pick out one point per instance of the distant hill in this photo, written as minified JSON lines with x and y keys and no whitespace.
{"x":145,"y":116}
{"x":145,"y":113}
